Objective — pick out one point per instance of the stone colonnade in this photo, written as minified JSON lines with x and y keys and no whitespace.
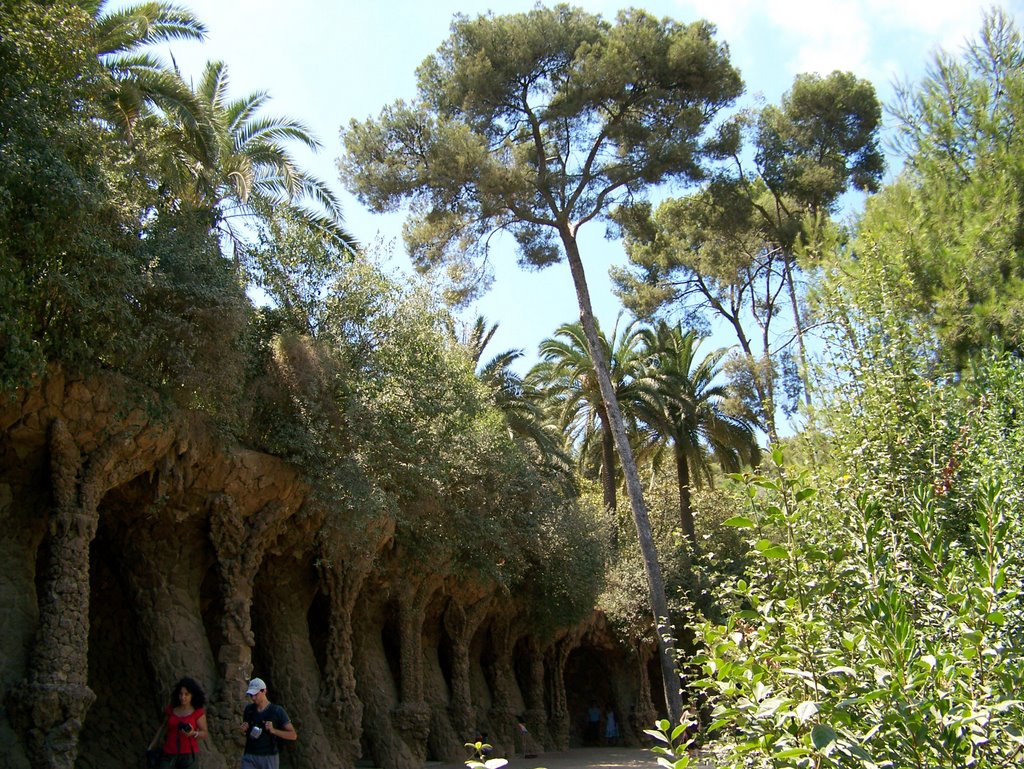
{"x":137,"y":547}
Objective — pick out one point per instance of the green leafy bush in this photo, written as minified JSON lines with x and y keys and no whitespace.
{"x":882,"y":626}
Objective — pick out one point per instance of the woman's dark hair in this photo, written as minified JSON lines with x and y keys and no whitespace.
{"x":198,"y":697}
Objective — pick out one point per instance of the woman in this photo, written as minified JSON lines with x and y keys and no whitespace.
{"x":611,"y":727}
{"x":184,"y":723}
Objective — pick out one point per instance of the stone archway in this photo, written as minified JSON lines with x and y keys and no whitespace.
{"x":120,"y":672}
{"x":589,"y":673}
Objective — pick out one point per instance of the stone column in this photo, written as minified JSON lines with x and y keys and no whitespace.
{"x":462,"y":622}
{"x":164,"y":561}
{"x":342,"y":581}
{"x":241,"y":544}
{"x":536,"y":713}
{"x":50,"y":706}
{"x":286,"y":587}
{"x":646,"y":714}
{"x":412,"y":716}
{"x":558,"y":720}
{"x":506,"y":695}
{"x":376,"y":680}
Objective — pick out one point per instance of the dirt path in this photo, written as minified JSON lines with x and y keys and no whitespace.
{"x":585,"y":758}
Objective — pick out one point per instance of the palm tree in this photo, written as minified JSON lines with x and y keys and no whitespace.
{"x":255,"y":171}
{"x":689,"y":412}
{"x":518,"y":401}
{"x":566,"y":372}
{"x":216,"y":152}
{"x":142,"y":85}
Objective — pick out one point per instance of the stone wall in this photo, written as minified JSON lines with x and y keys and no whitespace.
{"x":136,"y":547}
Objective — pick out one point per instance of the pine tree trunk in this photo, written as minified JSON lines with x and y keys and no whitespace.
{"x":655,"y":582}
{"x":799,"y":328}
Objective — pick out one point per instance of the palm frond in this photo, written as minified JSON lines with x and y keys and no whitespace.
{"x":213,"y":86}
{"x":271,"y":130}
{"x":240,"y":111}
{"x":145,"y":24}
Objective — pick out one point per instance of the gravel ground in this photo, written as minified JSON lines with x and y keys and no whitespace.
{"x":585,"y":758}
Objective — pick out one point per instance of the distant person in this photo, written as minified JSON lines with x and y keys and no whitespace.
{"x":611,"y":727}
{"x":592,"y":735}
{"x":530,"y":746}
{"x":184,"y":724}
{"x":264,"y":724}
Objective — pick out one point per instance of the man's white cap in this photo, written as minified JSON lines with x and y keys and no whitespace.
{"x":255,"y":685}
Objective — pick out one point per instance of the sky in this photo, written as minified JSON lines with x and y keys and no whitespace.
{"x":327,"y":62}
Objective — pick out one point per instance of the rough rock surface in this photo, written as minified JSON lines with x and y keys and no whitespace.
{"x":137,"y":547}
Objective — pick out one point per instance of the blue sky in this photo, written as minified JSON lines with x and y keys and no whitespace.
{"x":329,"y":61}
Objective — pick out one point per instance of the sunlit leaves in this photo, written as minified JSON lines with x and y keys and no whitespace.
{"x":879,"y":629}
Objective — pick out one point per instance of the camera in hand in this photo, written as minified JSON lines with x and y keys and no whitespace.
{"x":184,"y":727}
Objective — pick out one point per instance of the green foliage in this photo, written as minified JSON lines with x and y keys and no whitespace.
{"x":953,"y":225}
{"x":191,"y":313}
{"x":520,"y":402}
{"x":565,"y":563}
{"x":820,"y":141}
{"x":688,"y":412}
{"x":254,"y":171}
{"x":65,"y":261}
{"x":567,"y":379}
{"x":734,"y":249}
{"x":140,"y":88}
{"x":624,"y":598}
{"x":295,"y":266}
{"x":699,"y":581}
{"x":675,"y":741}
{"x":880,"y":622}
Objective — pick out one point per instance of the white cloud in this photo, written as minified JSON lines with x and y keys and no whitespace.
{"x":773,"y":40}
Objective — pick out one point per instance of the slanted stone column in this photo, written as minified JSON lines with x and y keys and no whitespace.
{"x":646,"y":714}
{"x":504,"y":708}
{"x":241,"y":544}
{"x":341,"y":581}
{"x":462,"y":622}
{"x":536,"y":714}
{"x":443,"y":742}
{"x":374,"y":615}
{"x":286,"y":587}
{"x":558,"y":719}
{"x":50,"y":706}
{"x":412,"y":716}
{"x":163,"y":561}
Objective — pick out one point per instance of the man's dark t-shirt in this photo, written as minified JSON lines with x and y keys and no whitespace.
{"x":266,"y":743}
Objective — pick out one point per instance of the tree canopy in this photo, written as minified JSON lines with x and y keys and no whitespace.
{"x":537,"y":123}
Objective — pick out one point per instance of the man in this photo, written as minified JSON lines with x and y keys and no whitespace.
{"x":592,"y":736}
{"x":264,"y":723}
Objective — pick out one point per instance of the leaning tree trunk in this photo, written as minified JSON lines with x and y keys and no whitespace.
{"x":608,"y":476}
{"x":655,"y":583}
